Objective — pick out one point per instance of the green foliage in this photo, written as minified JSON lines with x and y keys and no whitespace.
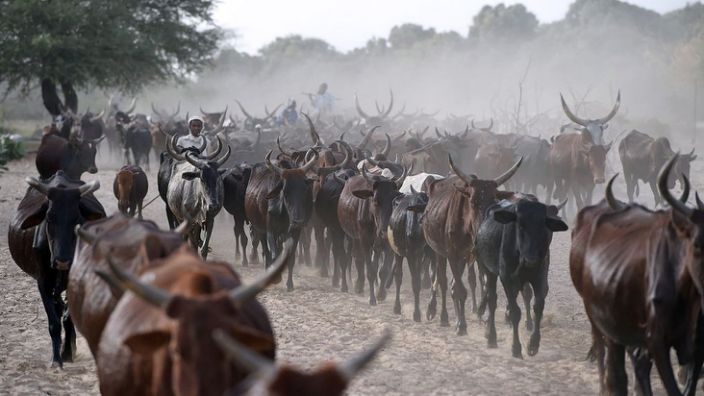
{"x":501,"y":23}
{"x":103,"y":43}
{"x":296,"y":47}
{"x":407,"y":35}
{"x":10,"y":150}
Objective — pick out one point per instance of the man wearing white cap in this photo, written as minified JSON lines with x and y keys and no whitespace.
{"x":194,"y":140}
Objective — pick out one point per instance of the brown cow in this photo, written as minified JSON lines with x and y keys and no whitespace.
{"x":157,"y":340}
{"x":130,"y":187}
{"x":577,"y":164}
{"x":642,"y":157}
{"x":127,"y":241}
{"x":640,"y":278}
{"x":454,"y":212}
{"x":493,"y":159}
{"x":327,"y":380}
{"x":74,"y":155}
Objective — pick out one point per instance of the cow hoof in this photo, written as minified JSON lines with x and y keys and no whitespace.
{"x":372,"y":301}
{"x":533,"y":346}
{"x":289,"y":287}
{"x":397,"y":309}
{"x":516,"y":352}
{"x":381,"y":294}
{"x":444,"y":320}
{"x":344,"y":289}
{"x":359,"y":288}
{"x":416,"y":316}
{"x":57,"y":365}
{"x":67,"y":356}
{"x":335,"y":281}
{"x":461,"y":329}
{"x":492,"y":344}
{"x":432,"y":310}
{"x":529,"y":325}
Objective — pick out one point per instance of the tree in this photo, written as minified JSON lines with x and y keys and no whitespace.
{"x":408,"y":34}
{"x":295,"y":46}
{"x":102,"y":43}
{"x":512,"y":23}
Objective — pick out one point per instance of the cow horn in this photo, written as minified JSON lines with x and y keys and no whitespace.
{"x":84,"y":235}
{"x":278,"y":143}
{"x":351,"y":367}
{"x":273,"y":112}
{"x":685,"y":193}
{"x":614,"y":110}
{"x":457,"y":171}
{"x":225,"y":157}
{"x":37,"y":184}
{"x":217,"y":151}
{"x":372,"y":162}
{"x":406,"y":172}
{"x":665,"y":192}
{"x":203,"y":146}
{"x":413,"y":190}
{"x":178,"y":110}
{"x":359,"y":108}
{"x":466,"y":132}
{"x":334,"y":176}
{"x":473,"y":126}
{"x":155,"y":111}
{"x":368,"y":137}
{"x":391,"y":104}
{"x":700,"y":204}
{"x":193,"y":161}
{"x":313,"y":133}
{"x":89,"y":188}
{"x":437,"y":132}
{"x":245,"y":293}
{"x":245,"y":357}
{"x":366,"y":175}
{"x":609,"y":194}
{"x":507,"y":175}
{"x":311,"y":162}
{"x":126,"y":280}
{"x":203,"y":111}
{"x":387,"y":147}
{"x":170,"y":143}
{"x":222,"y":117}
{"x":267,"y":161}
{"x":570,"y":115}
{"x":97,"y":117}
{"x":132,"y":106}
{"x":561,"y":205}
{"x":183,"y":228}
{"x":243,"y":110}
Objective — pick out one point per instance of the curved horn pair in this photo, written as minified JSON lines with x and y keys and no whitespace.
{"x":170,"y":148}
{"x":243,"y":110}
{"x":217,"y":151}
{"x":359,"y":108}
{"x":315,"y":137}
{"x":367,"y":137}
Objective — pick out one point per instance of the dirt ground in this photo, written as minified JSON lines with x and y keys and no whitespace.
{"x":316,"y":322}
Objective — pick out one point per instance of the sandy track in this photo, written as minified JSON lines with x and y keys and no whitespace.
{"x":316,"y":322}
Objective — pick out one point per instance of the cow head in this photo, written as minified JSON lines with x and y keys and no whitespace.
{"x":92,"y":125}
{"x":250,"y":122}
{"x":59,"y":215}
{"x":534,"y":225}
{"x":382,"y":192}
{"x":81,"y":155}
{"x":683,"y":167}
{"x":594,"y":156}
{"x":481,"y":193}
{"x":382,"y":113}
{"x":210,"y":175}
{"x":294,"y":190}
{"x":196,"y":360}
{"x":329,"y":379}
{"x":594,"y":127}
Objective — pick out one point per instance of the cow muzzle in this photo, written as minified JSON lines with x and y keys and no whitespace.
{"x":93,"y":169}
{"x":62,"y":265}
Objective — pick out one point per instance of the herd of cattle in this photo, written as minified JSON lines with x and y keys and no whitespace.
{"x":191,"y":327}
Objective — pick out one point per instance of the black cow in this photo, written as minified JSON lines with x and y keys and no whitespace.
{"x":235,"y":185}
{"x":406,"y":239}
{"x":513,"y":243}
{"x":42,"y":241}
{"x":137,"y":139}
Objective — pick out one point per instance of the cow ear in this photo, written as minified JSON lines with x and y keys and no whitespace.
{"x":275,"y":191}
{"x":504,"y":216}
{"x":35,"y":218}
{"x":149,"y":342}
{"x":190,"y":175}
{"x":554,"y":224}
{"x":363,"y":194}
{"x":91,"y":210}
{"x":416,"y":208}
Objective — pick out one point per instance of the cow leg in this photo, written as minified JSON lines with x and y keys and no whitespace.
{"x":385,"y":271}
{"x":661,"y":354}
{"x":425,"y":264}
{"x":372,"y":267}
{"x":268,"y":244}
{"x":296,"y":235}
{"x":322,"y":251}
{"x":68,"y":351}
{"x":472,"y":282}
{"x":693,"y":369}
{"x":257,"y":238}
{"x":616,"y":381}
{"x":359,"y":262}
{"x":459,"y":294}
{"x":442,"y":280}
{"x":337,"y":256}
{"x":208,"y":233}
{"x":540,"y":288}
{"x":170,"y":218}
{"x":139,"y":210}
{"x":641,"y":368}
{"x":46,"y":291}
{"x":630,"y":184}
{"x":491,"y":302}
{"x":527,"y":293}
{"x":514,"y":311}
{"x":398,"y":278}
{"x":342,"y":260}
{"x":656,"y":195}
{"x":414,"y":265}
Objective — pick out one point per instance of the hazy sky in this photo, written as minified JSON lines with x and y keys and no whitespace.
{"x":349,"y":24}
